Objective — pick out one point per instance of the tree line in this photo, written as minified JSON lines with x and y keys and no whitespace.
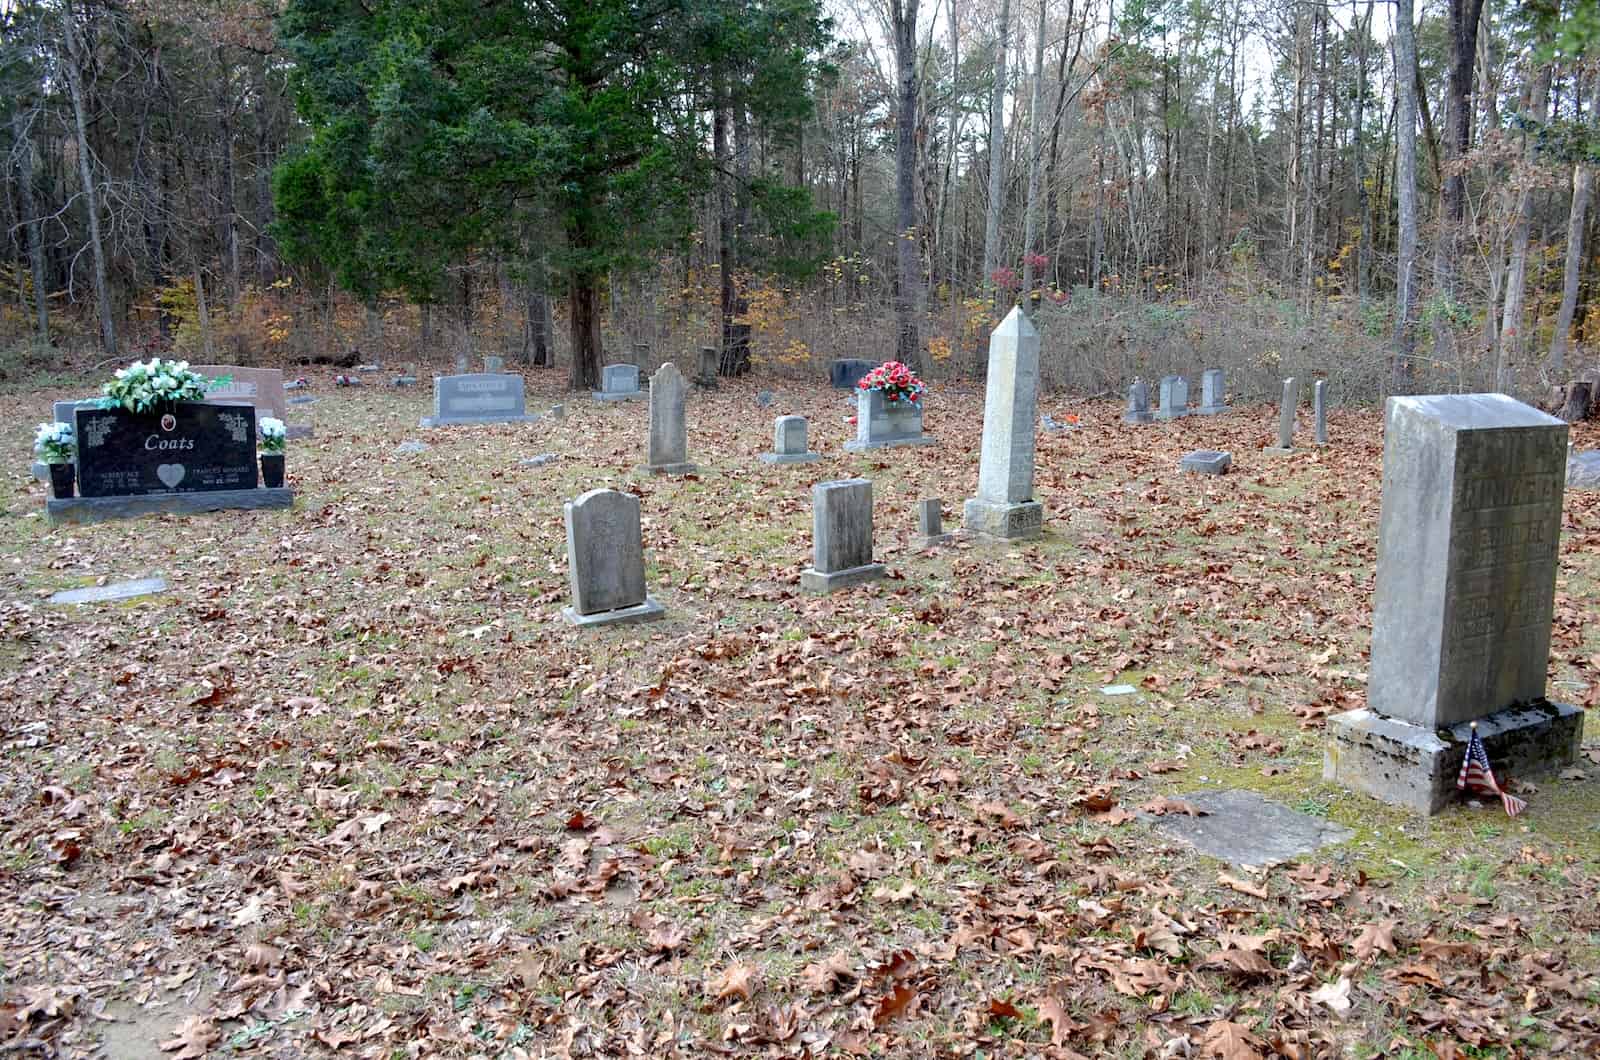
{"x":1429,"y":167}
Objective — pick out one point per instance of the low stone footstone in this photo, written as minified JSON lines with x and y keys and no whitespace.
{"x":1138,"y":410}
{"x":1319,"y":407}
{"x":1174,"y":398}
{"x":846,"y":372}
{"x":619,"y":382}
{"x":883,"y":424}
{"x":304,"y":399}
{"x":405,"y":380}
{"x":1213,"y":392}
{"x":558,"y":412}
{"x":1049,"y":423}
{"x":1583,"y":471}
{"x":539,"y":461}
{"x":1206,"y":462}
{"x":1004,"y":507}
{"x":789,"y":442}
{"x":710,"y":361}
{"x":100,"y":594}
{"x":411,"y":446}
{"x":1286,"y":415}
{"x":462,"y":400}
{"x":605,"y":561}
{"x":668,"y":452}
{"x":1468,"y":538}
{"x":841,"y":537}
{"x":1244,"y":828}
{"x":930,"y":523}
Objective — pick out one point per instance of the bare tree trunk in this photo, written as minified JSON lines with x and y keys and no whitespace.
{"x":205,"y":317}
{"x":1582,"y":192}
{"x":1363,"y":28}
{"x":1036,"y":120}
{"x":954,"y":131}
{"x":908,"y":288}
{"x":30,"y":223}
{"x":997,"y":150}
{"x":1512,"y":343}
{"x":1405,"y":61}
{"x":76,"y":58}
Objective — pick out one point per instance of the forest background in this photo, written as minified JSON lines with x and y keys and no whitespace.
{"x":1394,"y":196}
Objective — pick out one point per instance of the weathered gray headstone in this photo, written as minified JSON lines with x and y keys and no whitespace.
{"x":404,"y":381}
{"x":881,"y":423}
{"x":493,"y":364}
{"x":1174,"y":398}
{"x":841,"y":527}
{"x":846,"y":372}
{"x":619,"y":382}
{"x":668,"y":452}
{"x":1467,"y":547}
{"x":463,"y":364}
{"x":1004,"y":507}
{"x":558,"y":412}
{"x":710,"y":361}
{"x":765,"y":398}
{"x":1319,"y":406}
{"x":469,"y":399}
{"x":1583,"y":471}
{"x":1244,"y":828}
{"x":789,"y":442}
{"x":1138,"y":410}
{"x":930,"y":523}
{"x":100,"y":594}
{"x":1286,"y":416}
{"x":1206,"y":462}
{"x":1213,"y":392}
{"x":262,"y":387}
{"x":605,"y":560}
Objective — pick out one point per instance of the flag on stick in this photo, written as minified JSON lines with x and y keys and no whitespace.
{"x":1478,"y":778}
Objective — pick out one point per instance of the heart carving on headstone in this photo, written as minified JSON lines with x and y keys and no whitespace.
{"x":171,"y":474}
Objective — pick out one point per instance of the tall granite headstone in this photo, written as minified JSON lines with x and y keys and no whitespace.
{"x":193,"y":447}
{"x":469,"y":399}
{"x":1467,"y":550}
{"x":605,"y":560}
{"x":668,"y":452}
{"x":1286,"y":417}
{"x":710,"y":361}
{"x":1004,"y":507}
{"x":1138,"y":410}
{"x":841,"y":541}
{"x":1174,"y":398}
{"x":1213,"y":392}
{"x":1319,"y":410}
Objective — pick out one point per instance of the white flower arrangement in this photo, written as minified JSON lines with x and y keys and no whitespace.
{"x":146,"y":385}
{"x":273,"y":434}
{"x":55,"y":442}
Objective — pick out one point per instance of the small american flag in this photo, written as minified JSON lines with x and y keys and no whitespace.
{"x":1478,"y":778}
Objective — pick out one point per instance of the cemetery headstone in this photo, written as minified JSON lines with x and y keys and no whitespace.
{"x":539,"y":461}
{"x":463,"y":364}
{"x":841,"y":537}
{"x":765,"y":398}
{"x":1138,"y":410}
{"x":1319,"y":406}
{"x":930,"y":523}
{"x":846,"y":372}
{"x":668,"y":453}
{"x":1244,"y":828}
{"x":881,"y":423}
{"x":1206,"y":462}
{"x":493,"y":364}
{"x":1213,"y":392}
{"x":710,"y":361}
{"x":404,"y":380}
{"x":101,"y":594}
{"x":262,"y":387}
{"x":619,"y":382}
{"x":411,"y":445}
{"x":558,"y":412}
{"x":1174,"y":398}
{"x":1467,"y":549}
{"x":789,"y":442}
{"x":605,"y":561}
{"x":1004,"y":506}
{"x":1583,"y":471}
{"x":474,"y":399}
{"x":1286,"y":416}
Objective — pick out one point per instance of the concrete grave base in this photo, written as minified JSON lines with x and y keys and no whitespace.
{"x":807,"y":457}
{"x":855,"y":445}
{"x":648,"y":611}
{"x":1138,"y":417}
{"x":625,"y":395}
{"x":1176,"y":414}
{"x":1275,"y":450}
{"x":298,"y":430}
{"x":816,"y":581}
{"x":451,"y":421}
{"x":932,"y":542}
{"x":78,"y":510}
{"x":1413,"y":767}
{"x":1006,"y":522}
{"x":669,"y":469}
{"x":1244,"y":828}
{"x":1210,"y":410}
{"x":1206,"y":462}
{"x":100,"y":594}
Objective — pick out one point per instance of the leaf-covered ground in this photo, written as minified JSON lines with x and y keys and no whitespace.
{"x":353,"y":787}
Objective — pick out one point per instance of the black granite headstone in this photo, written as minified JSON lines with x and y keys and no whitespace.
{"x":191,"y":448}
{"x":846,"y":372}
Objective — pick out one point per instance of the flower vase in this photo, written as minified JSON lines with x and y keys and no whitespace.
{"x":272,"y":470}
{"x":62,"y":480}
